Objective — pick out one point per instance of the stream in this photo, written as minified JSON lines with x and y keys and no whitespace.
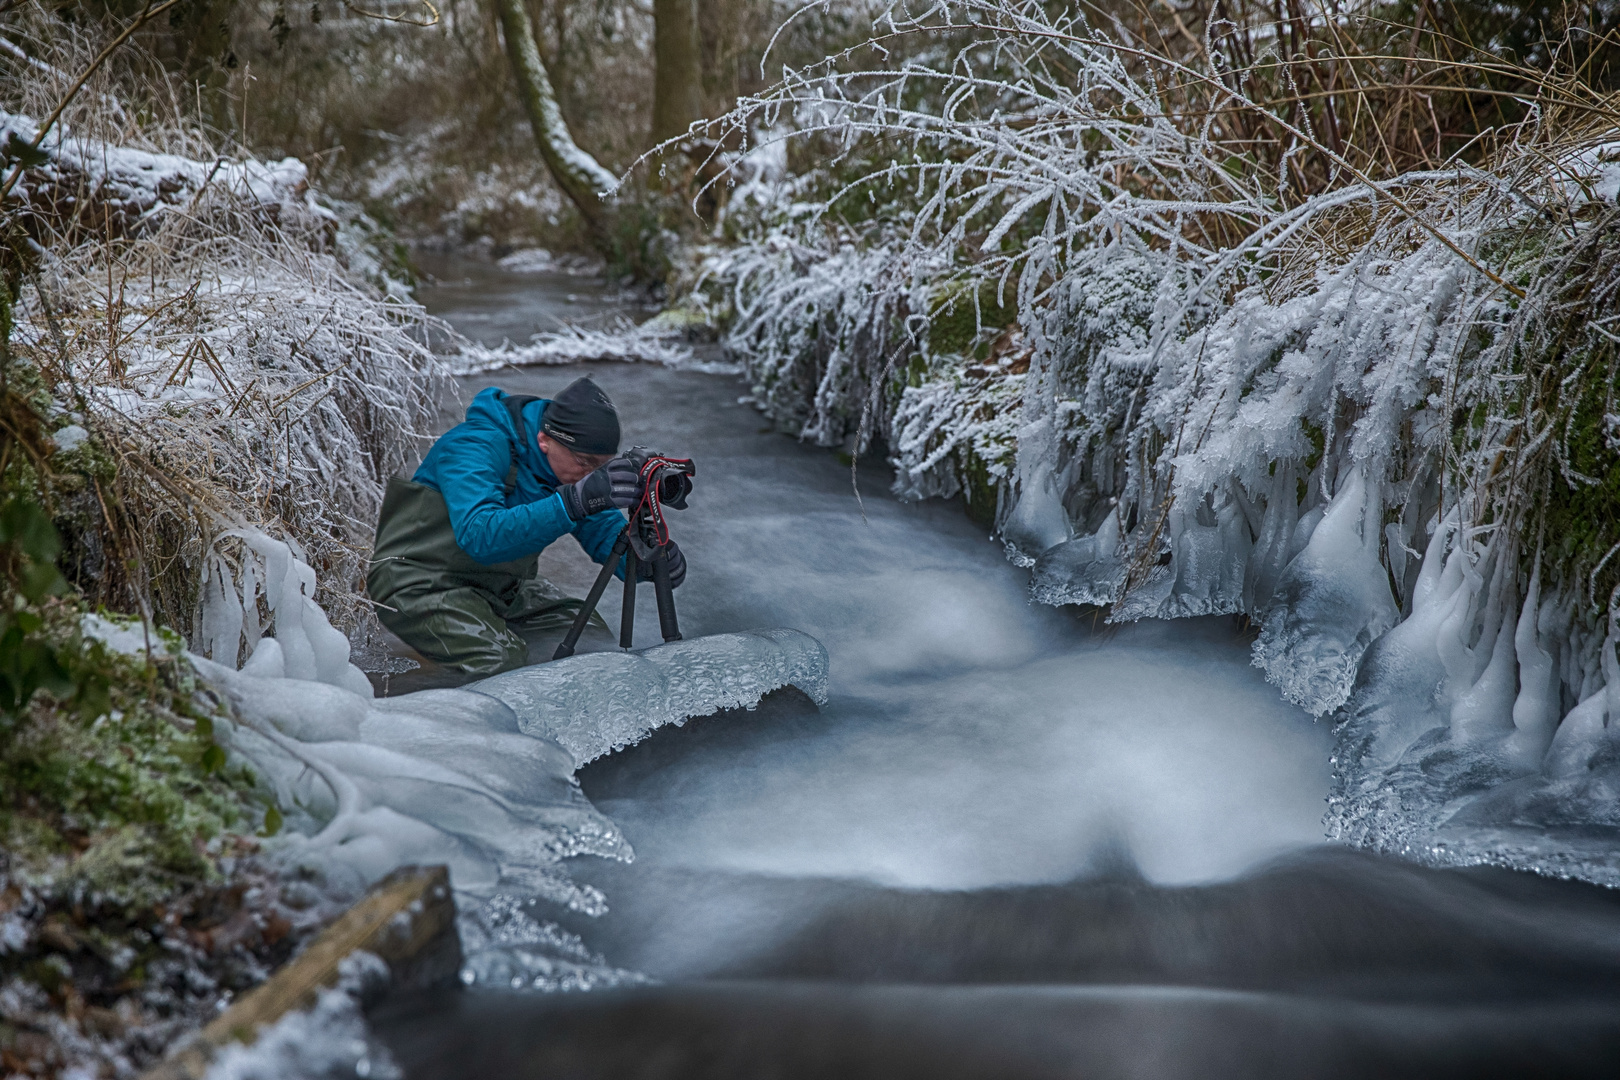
{"x":1015,"y":842}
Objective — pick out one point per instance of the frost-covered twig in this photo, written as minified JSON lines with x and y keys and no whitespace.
{"x":625,"y":343}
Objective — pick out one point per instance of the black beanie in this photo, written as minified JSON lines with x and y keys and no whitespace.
{"x":583,"y":419}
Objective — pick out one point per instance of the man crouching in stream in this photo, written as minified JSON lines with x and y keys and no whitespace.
{"x":455,"y":569}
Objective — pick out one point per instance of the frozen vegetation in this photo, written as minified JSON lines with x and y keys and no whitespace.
{"x":214,"y":345}
{"x":1368,"y":405}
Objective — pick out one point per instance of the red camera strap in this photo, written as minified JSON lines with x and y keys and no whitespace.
{"x":649,"y":491}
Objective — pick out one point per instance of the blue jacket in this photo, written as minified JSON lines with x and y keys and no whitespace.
{"x":468,"y":466}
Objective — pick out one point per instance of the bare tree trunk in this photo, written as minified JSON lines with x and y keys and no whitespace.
{"x":678,"y":78}
{"x":580,"y":176}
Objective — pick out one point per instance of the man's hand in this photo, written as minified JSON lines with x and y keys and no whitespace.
{"x":616,"y":484}
{"x":677,"y":567}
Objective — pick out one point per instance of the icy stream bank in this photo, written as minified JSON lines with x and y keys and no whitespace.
{"x":1349,"y":464}
{"x":479,"y":778}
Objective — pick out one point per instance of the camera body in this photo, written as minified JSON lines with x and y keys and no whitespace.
{"x":670,"y":478}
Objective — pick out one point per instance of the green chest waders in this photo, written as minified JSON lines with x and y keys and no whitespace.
{"x":444,"y":603}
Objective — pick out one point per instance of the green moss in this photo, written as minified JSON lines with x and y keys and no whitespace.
{"x":118,"y":801}
{"x":956,"y":327}
{"x":1582,"y":517}
{"x":110,"y":780}
{"x":979,"y":487}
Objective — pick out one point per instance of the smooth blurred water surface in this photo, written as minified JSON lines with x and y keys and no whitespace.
{"x":490,"y":305}
{"x":972,"y":738}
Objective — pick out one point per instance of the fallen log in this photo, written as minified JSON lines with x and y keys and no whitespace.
{"x":408,"y":920}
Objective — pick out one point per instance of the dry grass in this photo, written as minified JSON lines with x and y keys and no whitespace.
{"x":230,"y":368}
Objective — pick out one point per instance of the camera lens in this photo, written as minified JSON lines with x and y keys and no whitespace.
{"x":673,"y":487}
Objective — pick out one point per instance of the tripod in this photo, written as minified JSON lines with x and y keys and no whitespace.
{"x":635,"y":549}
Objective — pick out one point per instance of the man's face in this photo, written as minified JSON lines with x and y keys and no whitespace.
{"x":570,"y":467}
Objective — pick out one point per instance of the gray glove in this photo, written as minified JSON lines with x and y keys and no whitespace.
{"x":677,"y":567}
{"x":616,"y":484}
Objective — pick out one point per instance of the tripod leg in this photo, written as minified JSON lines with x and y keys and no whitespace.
{"x":666,"y":596}
{"x":627,"y":621}
{"x":620,"y":546}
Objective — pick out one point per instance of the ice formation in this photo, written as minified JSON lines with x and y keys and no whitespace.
{"x":1365,"y":448}
{"x":478,"y":778}
{"x":1331,"y":602}
{"x":627,"y":343}
{"x":597,"y":703}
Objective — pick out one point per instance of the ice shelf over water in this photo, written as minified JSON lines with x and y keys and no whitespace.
{"x":479,"y":778}
{"x":598,"y":703}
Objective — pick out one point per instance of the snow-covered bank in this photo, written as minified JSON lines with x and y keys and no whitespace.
{"x":478,"y":778}
{"x":212,"y":344}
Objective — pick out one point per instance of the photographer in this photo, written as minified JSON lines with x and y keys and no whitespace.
{"x":455,"y":571}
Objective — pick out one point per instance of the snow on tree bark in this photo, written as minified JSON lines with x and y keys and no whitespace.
{"x":581,"y":177}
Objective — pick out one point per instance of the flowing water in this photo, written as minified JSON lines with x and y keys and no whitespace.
{"x":1013,"y":843}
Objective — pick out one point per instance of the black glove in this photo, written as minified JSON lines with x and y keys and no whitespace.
{"x":677,"y":567}
{"x":618,"y":483}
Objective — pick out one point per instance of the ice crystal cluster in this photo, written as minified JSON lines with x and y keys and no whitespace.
{"x":1379,"y":419}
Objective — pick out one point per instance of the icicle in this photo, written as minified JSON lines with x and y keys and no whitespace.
{"x":1432,"y":586}
{"x":1578,"y":737}
{"x":307,"y":646}
{"x":1333,"y":601}
{"x":1451,"y":639}
{"x":252,"y":629}
{"x":1304,"y":529}
{"x":1535,"y":711}
{"x":1209,"y":549}
{"x":1037,"y":521}
{"x":1484,"y":711}
{"x":1584,"y":731}
{"x":1274,"y":540}
{"x":222,"y":613}
{"x":1089,"y":570}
